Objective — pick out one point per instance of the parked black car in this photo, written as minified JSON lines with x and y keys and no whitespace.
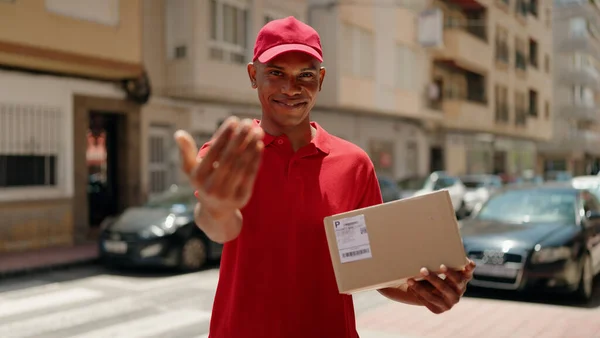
{"x":160,"y":233}
{"x":538,"y":236}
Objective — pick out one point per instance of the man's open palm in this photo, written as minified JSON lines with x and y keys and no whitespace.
{"x":225,"y":176}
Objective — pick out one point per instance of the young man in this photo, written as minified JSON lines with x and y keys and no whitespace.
{"x":264,"y":188}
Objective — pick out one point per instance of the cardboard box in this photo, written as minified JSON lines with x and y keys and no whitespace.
{"x":384,"y":245}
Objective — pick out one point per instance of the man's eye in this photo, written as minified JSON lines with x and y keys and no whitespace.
{"x":307,"y":75}
{"x":275,"y":72}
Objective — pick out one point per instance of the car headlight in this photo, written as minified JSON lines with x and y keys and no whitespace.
{"x":152,"y":231}
{"x":549,"y":255}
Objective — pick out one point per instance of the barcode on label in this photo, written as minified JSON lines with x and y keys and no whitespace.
{"x":355,"y":253}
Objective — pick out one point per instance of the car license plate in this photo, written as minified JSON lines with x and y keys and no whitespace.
{"x":117,"y":247}
{"x":495,"y":271}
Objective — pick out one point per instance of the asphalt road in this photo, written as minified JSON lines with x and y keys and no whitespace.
{"x":91,"y":301}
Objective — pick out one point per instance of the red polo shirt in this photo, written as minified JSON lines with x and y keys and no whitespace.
{"x":276,"y":278}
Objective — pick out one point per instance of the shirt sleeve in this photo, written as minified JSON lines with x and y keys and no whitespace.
{"x":372,"y":193}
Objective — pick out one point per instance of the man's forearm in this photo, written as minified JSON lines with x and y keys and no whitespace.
{"x":399,"y":295}
{"x":219,"y":227}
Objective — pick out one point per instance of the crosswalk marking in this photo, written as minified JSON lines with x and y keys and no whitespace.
{"x":150,"y":326}
{"x":208,"y":281}
{"x":44,"y":301}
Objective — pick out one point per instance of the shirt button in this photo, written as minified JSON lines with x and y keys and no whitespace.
{"x":279,"y":141}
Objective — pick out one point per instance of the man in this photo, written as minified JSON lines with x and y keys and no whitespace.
{"x":264,"y":188}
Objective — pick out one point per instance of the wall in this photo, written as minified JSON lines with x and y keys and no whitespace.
{"x":30,"y":23}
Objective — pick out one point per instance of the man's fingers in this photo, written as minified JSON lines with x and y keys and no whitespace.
{"x":454,"y":278}
{"x":251,"y":170}
{"x":448,"y":289}
{"x":188,"y":150}
{"x":425,"y":291}
{"x":214,"y":152}
{"x":431,"y":307}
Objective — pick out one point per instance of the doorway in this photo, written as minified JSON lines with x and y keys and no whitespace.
{"x":102,"y":166}
{"x":436,"y":159}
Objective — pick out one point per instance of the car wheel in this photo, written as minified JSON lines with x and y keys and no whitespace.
{"x":586,"y":282}
{"x":193,"y":254}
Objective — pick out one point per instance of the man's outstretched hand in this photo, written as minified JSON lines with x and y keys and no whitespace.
{"x":225,"y":176}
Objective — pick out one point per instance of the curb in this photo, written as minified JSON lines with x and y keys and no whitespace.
{"x":47,"y":267}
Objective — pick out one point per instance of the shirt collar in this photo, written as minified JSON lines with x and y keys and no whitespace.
{"x":321,"y":139}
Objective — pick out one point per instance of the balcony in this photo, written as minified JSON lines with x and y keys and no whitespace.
{"x":580,"y":76}
{"x":576,"y":141}
{"x":580,"y":43}
{"x":581,"y":112}
{"x":459,"y":48}
{"x":102,"y":40}
{"x":467,"y":113}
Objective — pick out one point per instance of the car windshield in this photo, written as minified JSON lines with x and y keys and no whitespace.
{"x":443,"y":183}
{"x":172,"y":197}
{"x":530,"y":206}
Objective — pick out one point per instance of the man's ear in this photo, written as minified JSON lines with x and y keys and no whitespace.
{"x":321,"y":77}
{"x":252,"y":74}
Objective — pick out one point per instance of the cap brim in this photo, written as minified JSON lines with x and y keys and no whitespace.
{"x":269,"y":54}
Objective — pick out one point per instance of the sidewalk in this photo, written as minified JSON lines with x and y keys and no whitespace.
{"x":16,"y":263}
{"x":474,"y":317}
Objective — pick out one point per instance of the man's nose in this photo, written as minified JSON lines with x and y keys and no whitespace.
{"x":290,"y":87}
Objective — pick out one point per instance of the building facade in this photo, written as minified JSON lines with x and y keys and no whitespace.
{"x":69,"y":118}
{"x":491,"y":80}
{"x":576,"y":143}
{"x":197,"y":52}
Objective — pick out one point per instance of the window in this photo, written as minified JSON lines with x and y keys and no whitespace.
{"x":520,"y":57}
{"x":520,"y":109}
{"x":405,"y":67}
{"x":533,"y":7}
{"x":30,"y":145}
{"x":547,"y":110}
{"x":521,"y":8}
{"x":548,"y":17}
{"x":359,"y":60}
{"x":533,"y":103}
{"x":578,"y":27}
{"x":547,"y":63}
{"x":270,"y":16}
{"x":228,"y":31}
{"x":582,"y":96}
{"x":501,"y":103}
{"x":533,"y":53}
{"x":412,"y":158}
{"x":159,"y":166}
{"x":502,"y":52}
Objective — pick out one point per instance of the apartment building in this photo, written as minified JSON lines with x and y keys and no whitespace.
{"x":492,"y":74}
{"x":196,"y":53}
{"x":575,"y":146}
{"x":70,"y":75}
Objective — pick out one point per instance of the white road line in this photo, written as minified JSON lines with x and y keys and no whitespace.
{"x":150,"y":326}
{"x":203,"y":281}
{"x":44,"y":301}
{"x":80,"y":315}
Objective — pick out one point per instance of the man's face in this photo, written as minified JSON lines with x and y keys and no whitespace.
{"x":287,"y":86}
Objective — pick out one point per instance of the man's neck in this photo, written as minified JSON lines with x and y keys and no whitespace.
{"x":299,"y":135}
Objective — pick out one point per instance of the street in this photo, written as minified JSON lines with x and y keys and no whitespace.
{"x":89,"y":301}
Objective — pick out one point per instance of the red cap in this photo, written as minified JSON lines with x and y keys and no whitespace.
{"x":286,"y":35}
